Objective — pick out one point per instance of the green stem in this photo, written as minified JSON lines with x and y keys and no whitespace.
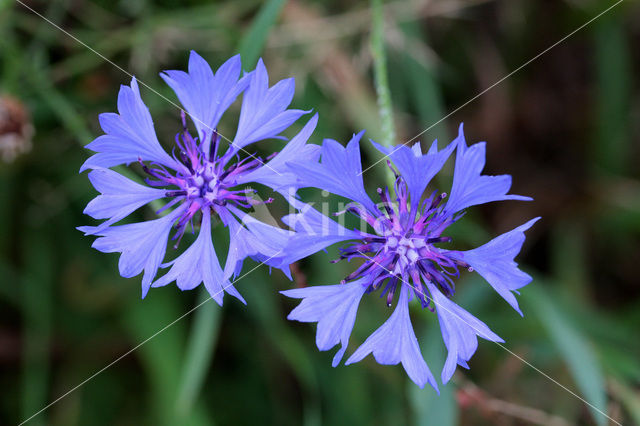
{"x":380,"y":76}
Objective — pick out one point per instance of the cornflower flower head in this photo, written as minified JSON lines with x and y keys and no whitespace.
{"x":202,"y":179}
{"x":402,"y":252}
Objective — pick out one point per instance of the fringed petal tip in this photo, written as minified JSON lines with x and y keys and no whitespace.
{"x":334,"y":308}
{"x":495,"y":262}
{"x":395,"y":342}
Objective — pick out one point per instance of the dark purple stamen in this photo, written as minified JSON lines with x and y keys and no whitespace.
{"x":438,"y":240}
{"x":203,"y":182}
{"x":405,"y":246}
{"x":384,"y":196}
{"x":213,"y":147}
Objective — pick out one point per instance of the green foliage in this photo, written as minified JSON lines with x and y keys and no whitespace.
{"x":574,"y":349}
{"x":198,"y":353}
{"x":428,"y":407}
{"x":252,"y":43}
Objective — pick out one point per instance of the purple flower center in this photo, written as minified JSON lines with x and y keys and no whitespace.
{"x":404,"y":251}
{"x":203,"y":183}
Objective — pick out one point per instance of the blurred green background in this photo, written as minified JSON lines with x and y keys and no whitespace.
{"x":566,"y":127}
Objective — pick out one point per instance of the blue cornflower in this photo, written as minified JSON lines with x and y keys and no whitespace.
{"x":204,"y":178}
{"x":401,"y":252}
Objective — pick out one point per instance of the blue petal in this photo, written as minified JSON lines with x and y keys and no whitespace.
{"x":495,"y":262}
{"x":276,"y":173}
{"x":459,"y":330}
{"x":414,"y":167}
{"x":120,"y":196}
{"x":129,"y":135}
{"x":469,"y":186}
{"x":314,"y":232}
{"x":340,"y":171}
{"x":264,"y":111}
{"x":334,"y":308}
{"x":199,"y":264}
{"x":258,"y":240}
{"x":142,"y":245}
{"x":395,"y":342}
{"x":204,"y":95}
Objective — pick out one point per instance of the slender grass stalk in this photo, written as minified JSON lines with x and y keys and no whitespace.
{"x":380,"y":74}
{"x":37,"y":291}
{"x":381,"y":81}
{"x":202,"y":341}
{"x":574,"y":347}
{"x":253,"y":42}
{"x":611,"y":143}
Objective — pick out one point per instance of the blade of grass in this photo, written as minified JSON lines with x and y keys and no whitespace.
{"x":612,"y":143}
{"x":569,"y":256}
{"x":423,"y":86}
{"x":200,"y":347}
{"x":9,"y":294}
{"x":161,"y":357}
{"x":573,"y":347}
{"x":253,"y":42}
{"x":8,"y":188}
{"x":11,"y":59}
{"x":267,"y":315}
{"x":37,"y":289}
{"x":428,"y":407}
{"x":58,"y":103}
